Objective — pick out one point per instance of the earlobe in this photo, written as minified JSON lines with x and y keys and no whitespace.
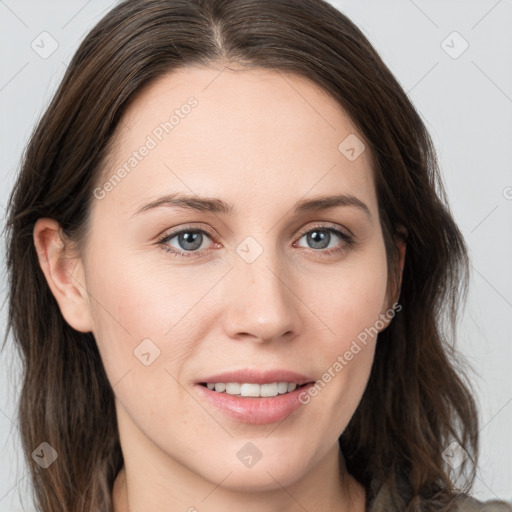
{"x":64,"y":274}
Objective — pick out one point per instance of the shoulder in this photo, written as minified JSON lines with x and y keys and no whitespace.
{"x":466,"y":503}
{"x":381,"y":500}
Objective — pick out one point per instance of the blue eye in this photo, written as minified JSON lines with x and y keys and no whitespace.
{"x":320,"y":238}
{"x":188,"y":242}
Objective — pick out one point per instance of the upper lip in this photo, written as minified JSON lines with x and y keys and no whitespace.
{"x":257,"y":377}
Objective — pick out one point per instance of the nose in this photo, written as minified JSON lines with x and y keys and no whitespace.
{"x":261,"y":303}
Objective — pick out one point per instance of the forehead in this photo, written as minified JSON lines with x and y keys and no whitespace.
{"x":249,"y":133}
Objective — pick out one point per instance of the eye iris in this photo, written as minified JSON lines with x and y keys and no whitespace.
{"x":194,"y":238}
{"x":318,"y":238}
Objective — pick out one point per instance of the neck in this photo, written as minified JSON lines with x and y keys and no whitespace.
{"x":349,"y":495}
{"x":152,"y":481}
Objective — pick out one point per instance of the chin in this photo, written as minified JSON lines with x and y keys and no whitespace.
{"x":265,"y":479}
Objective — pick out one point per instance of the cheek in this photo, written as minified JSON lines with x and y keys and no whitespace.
{"x":150,"y":320}
{"x":147,"y":317}
{"x":352,"y":299}
{"x":350,"y":306}
{"x":135,"y":300}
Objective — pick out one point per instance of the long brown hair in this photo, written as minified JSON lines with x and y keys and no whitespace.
{"x":416,"y":402}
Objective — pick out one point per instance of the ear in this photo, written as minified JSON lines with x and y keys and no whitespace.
{"x":400,"y":238}
{"x":64,"y":273}
{"x":388,"y":310}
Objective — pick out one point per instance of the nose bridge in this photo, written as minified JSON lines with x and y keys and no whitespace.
{"x":261,"y":303}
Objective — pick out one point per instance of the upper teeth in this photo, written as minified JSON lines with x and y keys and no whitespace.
{"x":251,"y":389}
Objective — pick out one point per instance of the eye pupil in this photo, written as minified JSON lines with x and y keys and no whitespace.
{"x":195,"y":238}
{"x":191,"y":241}
{"x":318,"y":238}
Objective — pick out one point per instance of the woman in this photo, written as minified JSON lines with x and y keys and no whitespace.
{"x":230,"y":258}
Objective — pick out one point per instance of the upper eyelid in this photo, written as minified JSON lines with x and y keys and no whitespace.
{"x":185,"y":229}
{"x":210,"y":233}
{"x":327,"y":227}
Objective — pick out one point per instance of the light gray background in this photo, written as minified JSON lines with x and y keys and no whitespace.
{"x":466,"y":103}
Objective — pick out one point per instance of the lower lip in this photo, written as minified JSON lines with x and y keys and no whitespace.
{"x":258,"y":411}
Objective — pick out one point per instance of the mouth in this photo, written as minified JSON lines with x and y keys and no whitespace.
{"x":252,"y":403}
{"x":253,"y":390}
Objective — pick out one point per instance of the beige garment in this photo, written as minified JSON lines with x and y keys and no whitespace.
{"x":382,"y":502}
{"x":469,"y":504}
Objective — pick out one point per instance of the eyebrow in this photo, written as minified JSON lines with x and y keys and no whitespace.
{"x":214,"y":205}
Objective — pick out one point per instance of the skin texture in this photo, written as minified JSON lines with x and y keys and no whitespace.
{"x":261,"y":140}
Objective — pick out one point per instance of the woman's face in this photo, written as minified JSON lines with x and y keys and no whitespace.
{"x":257,"y":282}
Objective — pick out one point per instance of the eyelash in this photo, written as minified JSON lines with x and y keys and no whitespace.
{"x":348,"y":240}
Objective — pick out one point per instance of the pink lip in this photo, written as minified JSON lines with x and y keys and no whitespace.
{"x":257,"y":377}
{"x":257,"y":411}
{"x":253,"y":410}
